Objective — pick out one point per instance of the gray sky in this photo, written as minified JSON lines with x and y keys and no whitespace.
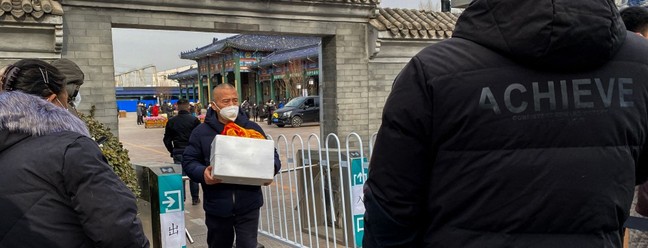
{"x":136,"y":48}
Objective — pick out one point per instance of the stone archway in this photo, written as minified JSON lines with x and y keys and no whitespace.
{"x":363,"y":47}
{"x":342,"y":24}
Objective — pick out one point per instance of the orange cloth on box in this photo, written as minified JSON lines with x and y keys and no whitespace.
{"x":231,"y":129}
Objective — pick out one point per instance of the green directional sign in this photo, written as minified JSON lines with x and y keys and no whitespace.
{"x":171,"y":210}
{"x":359,"y":172}
{"x":170,"y":186}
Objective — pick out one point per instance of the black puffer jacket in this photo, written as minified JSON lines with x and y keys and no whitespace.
{"x":177,"y":132}
{"x":56,"y":188}
{"x":526,"y":129}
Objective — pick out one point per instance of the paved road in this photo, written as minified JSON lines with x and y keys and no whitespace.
{"x":145,"y":145}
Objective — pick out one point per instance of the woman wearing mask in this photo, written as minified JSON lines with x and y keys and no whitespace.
{"x":56,"y":188}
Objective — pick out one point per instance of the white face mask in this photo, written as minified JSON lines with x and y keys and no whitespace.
{"x":77,"y":99}
{"x":230,"y":112}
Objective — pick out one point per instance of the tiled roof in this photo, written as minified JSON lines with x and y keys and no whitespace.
{"x":35,"y":8}
{"x":311,"y":51}
{"x":188,"y":74}
{"x":251,"y":42}
{"x":415,"y":24}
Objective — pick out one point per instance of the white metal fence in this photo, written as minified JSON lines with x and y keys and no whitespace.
{"x":316,"y":199}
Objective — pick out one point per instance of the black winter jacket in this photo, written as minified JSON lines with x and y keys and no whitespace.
{"x":220,"y":199}
{"x":526,"y":129}
{"x":56,"y":188}
{"x":177,"y":132}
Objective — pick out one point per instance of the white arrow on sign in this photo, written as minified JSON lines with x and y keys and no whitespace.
{"x":170,"y":202}
{"x":172,"y":197}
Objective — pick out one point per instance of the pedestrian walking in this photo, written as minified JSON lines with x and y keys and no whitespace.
{"x":143,"y":108}
{"x":525,"y":129}
{"x":149,"y":109}
{"x":57,"y":190}
{"x":255,"y":111}
{"x":231,"y":210}
{"x":270,"y":107}
{"x":245,"y":106}
{"x":155,"y":110}
{"x":176,"y":138}
{"x":192,"y":108}
{"x":140,"y":117}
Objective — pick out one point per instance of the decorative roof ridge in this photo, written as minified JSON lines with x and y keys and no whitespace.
{"x":35,"y":8}
{"x":402,"y":23}
{"x":215,"y":41}
{"x":257,"y":42}
{"x":279,"y":56}
{"x":184,"y":74}
{"x":292,"y":49}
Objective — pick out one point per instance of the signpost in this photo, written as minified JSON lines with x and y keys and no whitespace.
{"x":161,"y":185}
{"x":172,"y":226}
{"x":359,"y":172}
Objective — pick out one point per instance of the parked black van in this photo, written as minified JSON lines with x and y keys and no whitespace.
{"x":297,"y":111}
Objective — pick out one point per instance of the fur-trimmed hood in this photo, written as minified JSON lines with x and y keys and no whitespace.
{"x":30,"y":115}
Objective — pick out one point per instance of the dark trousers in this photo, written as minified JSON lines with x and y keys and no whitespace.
{"x":270,"y":111}
{"x":193,"y":186}
{"x":221,"y":230}
{"x":140,"y":120}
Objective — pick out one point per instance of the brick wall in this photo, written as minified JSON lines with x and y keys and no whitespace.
{"x":352,"y":80}
{"x":383,"y":69}
{"x":88,"y":42}
{"x":381,"y":78}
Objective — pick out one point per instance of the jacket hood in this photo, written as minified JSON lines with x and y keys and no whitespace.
{"x":32,"y":116}
{"x":551,"y":34}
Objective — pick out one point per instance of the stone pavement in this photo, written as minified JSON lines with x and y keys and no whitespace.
{"x":145,"y":145}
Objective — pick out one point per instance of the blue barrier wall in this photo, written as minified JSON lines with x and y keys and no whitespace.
{"x":130,"y":105}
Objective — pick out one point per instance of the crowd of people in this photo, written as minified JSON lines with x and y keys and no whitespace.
{"x":167,"y":108}
{"x":262,"y":111}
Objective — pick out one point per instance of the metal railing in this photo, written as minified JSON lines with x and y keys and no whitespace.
{"x":315,"y":200}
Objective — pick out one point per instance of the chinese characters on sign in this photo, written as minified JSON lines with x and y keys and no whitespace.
{"x":173,"y":229}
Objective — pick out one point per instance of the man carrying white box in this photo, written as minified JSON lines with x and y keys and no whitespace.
{"x":230,"y":170}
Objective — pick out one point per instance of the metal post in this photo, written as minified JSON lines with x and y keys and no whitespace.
{"x":209,"y":83}
{"x":193,"y":91}
{"x":237,"y":75}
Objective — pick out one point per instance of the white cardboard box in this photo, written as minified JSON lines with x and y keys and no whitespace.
{"x":239,"y":160}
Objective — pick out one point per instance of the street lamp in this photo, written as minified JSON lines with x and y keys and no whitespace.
{"x":299,"y":86}
{"x":311,"y":81}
